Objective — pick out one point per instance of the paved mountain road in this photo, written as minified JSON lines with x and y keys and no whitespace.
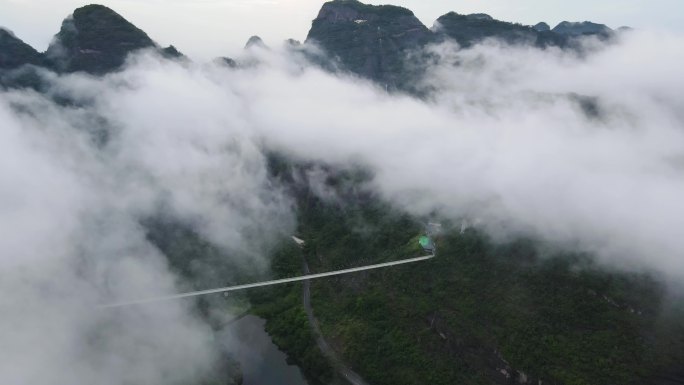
{"x":327,"y":351}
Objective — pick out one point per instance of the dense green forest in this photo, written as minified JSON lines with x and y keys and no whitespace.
{"x":479,"y":313}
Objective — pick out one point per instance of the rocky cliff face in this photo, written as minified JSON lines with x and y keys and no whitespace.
{"x":14,"y":53}
{"x":372,"y":41}
{"x":96,"y":40}
{"x":375,"y":42}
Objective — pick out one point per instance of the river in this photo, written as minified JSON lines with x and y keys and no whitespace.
{"x":261,"y":361}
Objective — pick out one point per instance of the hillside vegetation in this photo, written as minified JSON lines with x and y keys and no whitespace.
{"x":479,"y":313}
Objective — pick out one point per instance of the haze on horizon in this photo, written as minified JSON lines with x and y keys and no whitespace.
{"x":204,"y":29}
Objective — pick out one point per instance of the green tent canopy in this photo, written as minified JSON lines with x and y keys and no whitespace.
{"x":425,"y":241}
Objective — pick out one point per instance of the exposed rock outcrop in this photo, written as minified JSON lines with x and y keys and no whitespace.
{"x":95,"y":39}
{"x":372,"y":41}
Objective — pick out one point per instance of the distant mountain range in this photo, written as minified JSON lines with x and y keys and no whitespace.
{"x":370,"y":41}
{"x":373,"y":41}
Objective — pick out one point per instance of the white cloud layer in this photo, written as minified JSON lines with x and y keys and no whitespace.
{"x":71,"y":211}
{"x":506,"y":141}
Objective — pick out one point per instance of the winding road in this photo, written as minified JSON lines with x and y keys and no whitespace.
{"x":346,"y":372}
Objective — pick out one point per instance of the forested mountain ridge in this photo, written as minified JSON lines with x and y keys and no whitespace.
{"x":481,"y":312}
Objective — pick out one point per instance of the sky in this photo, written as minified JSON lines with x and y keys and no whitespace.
{"x":205,"y":29}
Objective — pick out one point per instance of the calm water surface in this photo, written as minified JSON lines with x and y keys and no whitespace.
{"x":261,"y":361}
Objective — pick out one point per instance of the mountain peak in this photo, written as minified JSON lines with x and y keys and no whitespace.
{"x":369,"y":40}
{"x":293,"y":43}
{"x":542,"y":27}
{"x":95,"y":39}
{"x":14,"y":52}
{"x":255,"y":41}
{"x":337,"y":11}
{"x":6,"y":32}
{"x":172,"y":52}
{"x":581,"y":28}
